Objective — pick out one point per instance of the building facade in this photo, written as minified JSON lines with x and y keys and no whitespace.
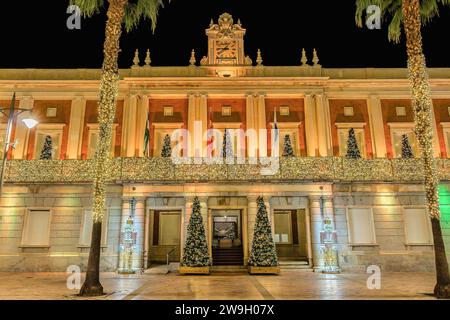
{"x":375,"y":205}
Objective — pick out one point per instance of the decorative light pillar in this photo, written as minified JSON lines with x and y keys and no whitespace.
{"x":328,"y":240}
{"x":128,"y":241}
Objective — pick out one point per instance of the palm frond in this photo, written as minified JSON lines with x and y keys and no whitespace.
{"x":142,"y":10}
{"x":88,"y":7}
{"x":361,"y":7}
{"x":395,"y":27}
{"x":391,"y":11}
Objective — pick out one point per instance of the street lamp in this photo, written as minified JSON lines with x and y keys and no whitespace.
{"x":29,"y":123}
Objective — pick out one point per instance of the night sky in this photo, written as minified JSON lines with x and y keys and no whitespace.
{"x":36,"y":36}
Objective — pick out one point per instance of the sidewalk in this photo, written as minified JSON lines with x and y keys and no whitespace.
{"x":290,"y":285}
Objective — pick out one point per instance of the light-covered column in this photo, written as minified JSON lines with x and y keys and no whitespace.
{"x":316,"y":224}
{"x":142,"y":115}
{"x":22,"y":131}
{"x":252,"y":135}
{"x":310,"y":126}
{"x":132,"y":236}
{"x":323,"y":125}
{"x":376,"y":126}
{"x":129,"y":126}
{"x":75,"y":138}
{"x":262,"y":125}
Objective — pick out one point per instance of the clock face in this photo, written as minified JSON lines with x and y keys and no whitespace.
{"x":226,"y":51}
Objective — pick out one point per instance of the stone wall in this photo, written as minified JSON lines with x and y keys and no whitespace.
{"x":67,"y":204}
{"x":391,"y":252}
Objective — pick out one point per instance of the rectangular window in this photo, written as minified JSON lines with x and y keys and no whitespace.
{"x":86,"y":228}
{"x":343,"y":141}
{"x":293,"y":136}
{"x":93,"y":131}
{"x":41,"y":137}
{"x":397,"y":142}
{"x":361,"y":228}
{"x":417,"y":226}
{"x":36,"y":230}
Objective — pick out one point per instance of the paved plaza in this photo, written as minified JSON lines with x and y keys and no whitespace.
{"x":290,"y":285}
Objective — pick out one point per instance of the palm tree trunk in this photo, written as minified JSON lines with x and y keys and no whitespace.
{"x":422,"y":104}
{"x":109,"y":87}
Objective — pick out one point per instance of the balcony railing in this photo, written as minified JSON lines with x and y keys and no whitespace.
{"x":156,"y":170}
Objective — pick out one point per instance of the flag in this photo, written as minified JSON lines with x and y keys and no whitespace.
{"x":147,"y":136}
{"x":276,"y":133}
{"x":210,"y":141}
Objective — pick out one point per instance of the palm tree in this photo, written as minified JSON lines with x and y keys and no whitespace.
{"x":130,"y":14}
{"x":413,"y":14}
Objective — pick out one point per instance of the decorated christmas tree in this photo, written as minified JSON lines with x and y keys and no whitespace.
{"x":406,"y":148}
{"x":287,"y":149}
{"x":166,"y":151}
{"x":46,"y":153}
{"x":196,"y":249}
{"x":352,"y":146}
{"x":227,"y":148}
{"x":263,"y":252}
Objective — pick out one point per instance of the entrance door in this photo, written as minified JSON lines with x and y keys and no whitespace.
{"x":165,"y":236}
{"x":227,"y":246}
{"x":290,"y":234}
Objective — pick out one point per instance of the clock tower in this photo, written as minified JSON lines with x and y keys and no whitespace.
{"x":225,"y":43}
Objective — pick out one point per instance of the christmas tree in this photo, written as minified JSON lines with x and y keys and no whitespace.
{"x":46,"y":153}
{"x":227,"y":148}
{"x":166,"y":151}
{"x":196,"y":249}
{"x":352,"y":146}
{"x":263,"y":252}
{"x":287,"y":149}
{"x":406,"y":148}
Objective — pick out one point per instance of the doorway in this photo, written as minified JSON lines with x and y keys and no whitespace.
{"x":227,"y":248}
{"x":290,"y":235}
{"x":165,"y":236}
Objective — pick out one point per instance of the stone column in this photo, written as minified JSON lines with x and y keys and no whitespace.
{"x":129,"y":126}
{"x":204,"y":212}
{"x":76,"y":126}
{"x":436,"y":147}
{"x":262,"y":125}
{"x":252,"y":210}
{"x":376,"y":126}
{"x":22,"y":131}
{"x":186,"y":215}
{"x":252,"y":138}
{"x":191,"y":123}
{"x":204,"y":121}
{"x":310,"y":126}
{"x":325,"y":145}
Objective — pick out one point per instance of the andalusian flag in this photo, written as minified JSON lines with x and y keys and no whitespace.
{"x":276,"y":141}
{"x":147,"y":136}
